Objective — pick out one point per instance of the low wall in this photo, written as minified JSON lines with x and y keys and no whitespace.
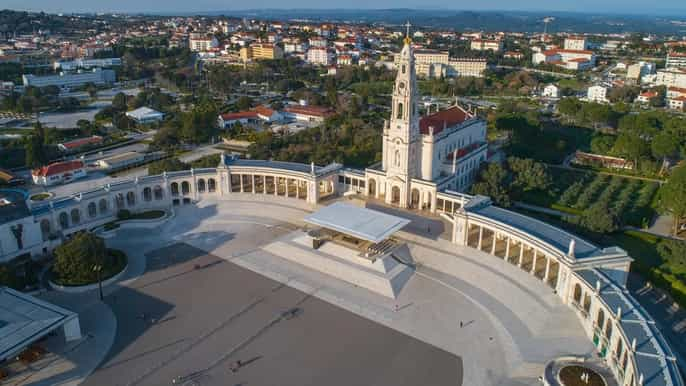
{"x":89,"y":287}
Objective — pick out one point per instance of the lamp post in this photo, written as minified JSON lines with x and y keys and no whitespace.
{"x":98,"y":268}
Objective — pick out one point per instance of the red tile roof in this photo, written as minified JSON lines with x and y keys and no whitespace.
{"x":447,"y":118}
{"x":74,"y":144}
{"x":680,"y":90}
{"x":57,"y":168}
{"x":317,"y":111}
{"x":239,"y":115}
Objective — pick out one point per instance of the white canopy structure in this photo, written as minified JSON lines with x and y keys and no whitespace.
{"x":24,"y":319}
{"x":362,"y":223}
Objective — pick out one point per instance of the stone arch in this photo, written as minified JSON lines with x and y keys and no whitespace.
{"x":371,"y":186}
{"x":576,"y":295}
{"x":147,"y":194}
{"x":130,"y":199}
{"x":608,"y":330}
{"x":119,"y":200}
{"x":102,"y":206}
{"x":185,"y":188}
{"x":158,"y":192}
{"x":175,"y":188}
{"x":211,"y":185}
{"x":600,"y":320}
{"x":64,"y":220}
{"x":75,"y":216}
{"x":92,"y":210}
{"x":45,"y":228}
{"x":395,"y":195}
{"x":414,"y":198}
{"x":201,"y":185}
{"x":587,"y":303}
{"x":428,"y":200}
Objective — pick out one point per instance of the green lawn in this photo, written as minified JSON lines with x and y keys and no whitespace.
{"x":40,"y":196}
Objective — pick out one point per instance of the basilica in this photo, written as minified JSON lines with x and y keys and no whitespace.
{"x":423,"y":155}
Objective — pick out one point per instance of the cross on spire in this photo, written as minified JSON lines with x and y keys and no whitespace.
{"x":407,"y":26}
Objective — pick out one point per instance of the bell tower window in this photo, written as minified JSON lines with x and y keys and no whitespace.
{"x":403,"y":68}
{"x":399,"y":111}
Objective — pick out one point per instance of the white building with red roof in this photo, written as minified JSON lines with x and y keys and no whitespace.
{"x":307,"y":113}
{"x":424,"y":155}
{"x":78,"y":143}
{"x":260,"y":114}
{"x":59,"y":173}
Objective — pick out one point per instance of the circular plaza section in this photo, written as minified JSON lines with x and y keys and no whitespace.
{"x":491,"y":296}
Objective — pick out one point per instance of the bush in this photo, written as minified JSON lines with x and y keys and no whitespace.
{"x":123,"y":214}
{"x":75,"y":259}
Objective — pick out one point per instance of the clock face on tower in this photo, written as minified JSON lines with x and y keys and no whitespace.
{"x":401,"y":85}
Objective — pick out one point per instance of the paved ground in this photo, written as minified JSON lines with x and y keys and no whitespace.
{"x":226,"y":315}
{"x":205,"y":318}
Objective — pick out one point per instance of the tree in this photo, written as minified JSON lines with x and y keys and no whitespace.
{"x":120,"y":102}
{"x":492,"y":183}
{"x":673,"y":195}
{"x":599,"y":218}
{"x":167,"y":165}
{"x":75,"y":259}
{"x":602,"y":144}
{"x":244,"y":103}
{"x":528,"y":175}
{"x":35,"y":154}
{"x":664,"y":145}
{"x":673,"y":253}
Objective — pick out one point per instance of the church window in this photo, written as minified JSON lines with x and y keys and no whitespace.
{"x":399,"y":111}
{"x":403,"y":68}
{"x":397,"y":158}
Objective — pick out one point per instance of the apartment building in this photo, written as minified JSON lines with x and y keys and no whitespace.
{"x":261,"y":51}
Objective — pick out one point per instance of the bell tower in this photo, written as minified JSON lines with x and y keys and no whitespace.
{"x":402,"y":140}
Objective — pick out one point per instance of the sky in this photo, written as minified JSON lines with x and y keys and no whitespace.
{"x":665,"y":7}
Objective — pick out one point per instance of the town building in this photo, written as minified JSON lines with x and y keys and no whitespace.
{"x":577,"y":43}
{"x":97,"y":76}
{"x":76,"y":144}
{"x":671,"y":77}
{"x":59,"y":173}
{"x":637,"y":71}
{"x":306,"y":113}
{"x":319,"y":56}
{"x":551,"y":91}
{"x":676,"y":59}
{"x":144,"y":115}
{"x":435,"y":63}
{"x":597,"y":94}
{"x":486,"y":45}
{"x":76,"y":64}
{"x":261,"y":51}
{"x":257,"y":115}
{"x":121,"y":161}
{"x":569,"y":59}
{"x":646,"y":97}
{"x":198,"y":42}
{"x":677,"y":103}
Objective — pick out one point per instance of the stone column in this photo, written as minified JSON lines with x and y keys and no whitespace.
{"x":533,"y":263}
{"x":481,"y":235}
{"x":276,"y":185}
{"x":507,"y":249}
{"x":253,"y":183}
{"x":297,"y":188}
{"x":494,"y":242}
{"x":241,"y":179}
{"x":521,"y":254}
{"x":547,"y":269}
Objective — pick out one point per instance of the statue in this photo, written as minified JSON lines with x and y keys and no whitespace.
{"x":18,"y":231}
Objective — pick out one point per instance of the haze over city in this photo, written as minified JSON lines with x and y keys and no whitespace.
{"x":264,"y":193}
{"x":665,"y":7}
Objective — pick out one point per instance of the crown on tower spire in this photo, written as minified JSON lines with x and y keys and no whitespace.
{"x":407,"y":39}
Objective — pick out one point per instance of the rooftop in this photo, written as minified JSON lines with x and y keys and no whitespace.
{"x":57,"y":168}
{"x":25,"y":319}
{"x":445,"y":118}
{"x":363,"y":223}
{"x":12,"y":205}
